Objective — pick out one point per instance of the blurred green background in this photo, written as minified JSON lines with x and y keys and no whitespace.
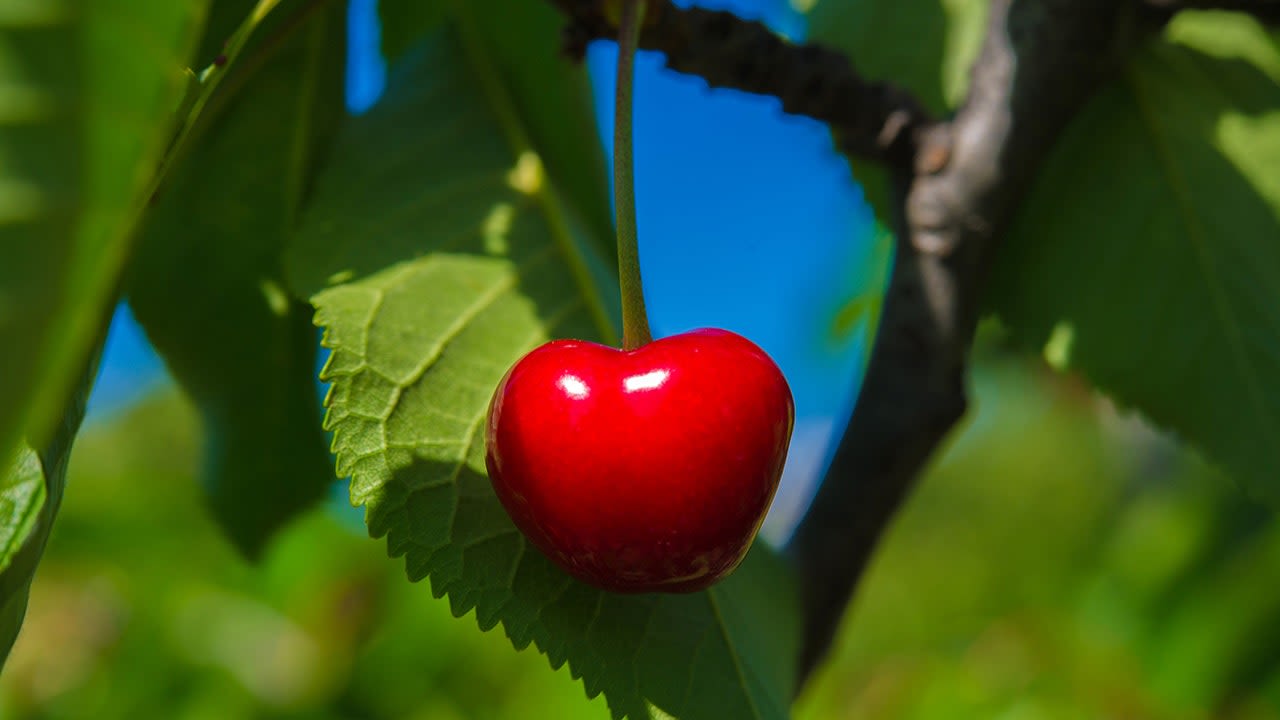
{"x":1059,"y":560}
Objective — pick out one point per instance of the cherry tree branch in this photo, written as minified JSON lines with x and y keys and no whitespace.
{"x":874,"y":120}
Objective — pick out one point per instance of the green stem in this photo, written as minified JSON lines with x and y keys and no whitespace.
{"x":635,"y":319}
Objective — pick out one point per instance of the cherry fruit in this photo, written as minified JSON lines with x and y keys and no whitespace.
{"x":641,"y":470}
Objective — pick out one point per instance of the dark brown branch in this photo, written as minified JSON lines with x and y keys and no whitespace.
{"x":1040,"y":62}
{"x":874,"y":120}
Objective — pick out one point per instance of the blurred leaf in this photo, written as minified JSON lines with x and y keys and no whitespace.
{"x":552,"y":97}
{"x":406,"y":22}
{"x":1220,"y":627}
{"x":925,"y":46}
{"x":207,"y":283}
{"x":1151,"y":241}
{"x":547,"y":104}
{"x":862,"y":311}
{"x":448,"y":257}
{"x":30,"y":494}
{"x":89,"y":91}
{"x":41,"y":199}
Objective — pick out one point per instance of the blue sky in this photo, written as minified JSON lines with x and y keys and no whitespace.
{"x":748,"y":220}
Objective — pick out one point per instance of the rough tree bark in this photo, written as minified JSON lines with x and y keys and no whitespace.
{"x":957,"y":183}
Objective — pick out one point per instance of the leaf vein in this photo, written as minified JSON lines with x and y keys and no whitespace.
{"x":733,"y":651}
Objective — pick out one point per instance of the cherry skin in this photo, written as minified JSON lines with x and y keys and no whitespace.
{"x":647,"y":470}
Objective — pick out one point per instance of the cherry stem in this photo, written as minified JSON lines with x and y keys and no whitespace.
{"x":635,"y":319}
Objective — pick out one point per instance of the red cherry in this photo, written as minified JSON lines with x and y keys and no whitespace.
{"x":643,"y":470}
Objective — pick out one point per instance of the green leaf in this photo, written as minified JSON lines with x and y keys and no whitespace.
{"x":207,"y":283}
{"x":405,"y":22}
{"x":22,"y":497}
{"x":1220,"y":626}
{"x":41,"y":198}
{"x":862,"y":311}
{"x":22,"y":494}
{"x":437,"y":253}
{"x":31,"y":488}
{"x":88,"y":92}
{"x":925,"y":46}
{"x":547,"y":105}
{"x":553,"y":100}
{"x":1149,"y":247}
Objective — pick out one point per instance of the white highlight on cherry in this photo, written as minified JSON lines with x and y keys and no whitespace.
{"x":573,"y":386}
{"x":651,"y":380}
